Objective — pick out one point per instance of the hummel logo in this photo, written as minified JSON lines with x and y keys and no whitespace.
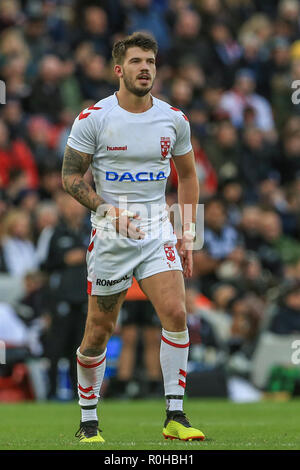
{"x":116,"y":148}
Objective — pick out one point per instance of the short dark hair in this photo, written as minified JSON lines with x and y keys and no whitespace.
{"x":143,"y":40}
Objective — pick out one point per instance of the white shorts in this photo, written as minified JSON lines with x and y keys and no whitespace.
{"x":111,"y":263}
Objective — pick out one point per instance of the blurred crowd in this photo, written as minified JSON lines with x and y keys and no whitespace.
{"x":231,"y":67}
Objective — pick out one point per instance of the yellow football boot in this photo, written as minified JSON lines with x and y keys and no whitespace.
{"x":177,"y":426}
{"x":89,"y":432}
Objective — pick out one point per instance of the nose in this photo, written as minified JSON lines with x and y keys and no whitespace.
{"x":145,"y":67}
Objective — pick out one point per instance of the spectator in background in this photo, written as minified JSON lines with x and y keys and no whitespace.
{"x":37,"y":39}
{"x":242,"y":96}
{"x":289,"y":165}
{"x":284,"y":247}
{"x":231,"y":191}
{"x":222,"y":242}
{"x":223,"y":149}
{"x":286,"y":320}
{"x":14,"y":118}
{"x":39,"y":131}
{"x":246,"y":312}
{"x":226,"y":51}
{"x":46,"y":219}
{"x":18,"y":251}
{"x":255,"y":162}
{"x":276,"y":80}
{"x":94,"y":30}
{"x":187,"y":42}
{"x":65,"y":265}
{"x":181,"y":94}
{"x":249,"y":227}
{"x":15,"y":155}
{"x":92,"y":81}
{"x":46,"y":98}
{"x":143,"y":15}
{"x":14,"y":73}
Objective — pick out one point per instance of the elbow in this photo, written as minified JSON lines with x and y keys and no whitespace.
{"x":65,"y":183}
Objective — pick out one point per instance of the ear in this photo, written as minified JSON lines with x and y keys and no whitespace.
{"x":118,"y":70}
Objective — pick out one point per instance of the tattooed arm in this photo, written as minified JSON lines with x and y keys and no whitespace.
{"x":75,"y":165}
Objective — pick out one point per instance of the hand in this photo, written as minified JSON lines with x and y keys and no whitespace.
{"x":185,"y":250}
{"x":122,"y":220}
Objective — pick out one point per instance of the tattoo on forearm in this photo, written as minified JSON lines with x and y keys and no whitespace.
{"x":75,"y":165}
{"x":107,"y":303}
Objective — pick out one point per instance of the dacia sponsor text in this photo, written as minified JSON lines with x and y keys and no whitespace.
{"x":141,"y":176}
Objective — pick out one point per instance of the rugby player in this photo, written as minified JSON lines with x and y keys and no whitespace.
{"x":128,"y":140}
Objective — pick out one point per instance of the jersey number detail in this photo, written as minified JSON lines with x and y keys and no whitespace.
{"x":83,"y":115}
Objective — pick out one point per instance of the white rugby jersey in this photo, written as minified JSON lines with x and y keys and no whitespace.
{"x":131,"y":152}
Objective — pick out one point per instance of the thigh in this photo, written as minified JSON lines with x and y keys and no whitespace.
{"x":110,"y":264}
{"x":166,"y":292}
{"x":157,"y":256}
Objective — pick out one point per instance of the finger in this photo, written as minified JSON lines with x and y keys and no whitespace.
{"x":134,"y":232}
{"x":139,"y":230}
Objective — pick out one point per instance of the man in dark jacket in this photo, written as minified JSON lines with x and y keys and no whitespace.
{"x":287,"y":320}
{"x":66,"y":267}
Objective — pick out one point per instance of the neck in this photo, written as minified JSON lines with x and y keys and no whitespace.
{"x":133,"y":103}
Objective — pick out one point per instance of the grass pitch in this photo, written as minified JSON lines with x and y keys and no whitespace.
{"x":137,"y":425}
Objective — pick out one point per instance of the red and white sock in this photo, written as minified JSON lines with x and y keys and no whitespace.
{"x":90,"y":373}
{"x":174,"y":350}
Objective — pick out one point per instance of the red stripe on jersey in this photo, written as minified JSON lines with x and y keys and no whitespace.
{"x":181,"y":383}
{"x":85,"y":390}
{"x":95,"y":107}
{"x":175,"y":109}
{"x":88,"y":398}
{"x":83,"y":115}
{"x":89,"y":366}
{"x":94,"y":231}
{"x":182,"y":372}
{"x":91,"y":246}
{"x":89,"y":287}
{"x":175,"y":344}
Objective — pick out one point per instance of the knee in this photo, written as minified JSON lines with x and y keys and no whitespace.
{"x":98,"y":334}
{"x":174,"y":319}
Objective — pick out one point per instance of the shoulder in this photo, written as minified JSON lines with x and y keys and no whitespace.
{"x":174,"y":114}
{"x":97,"y":111}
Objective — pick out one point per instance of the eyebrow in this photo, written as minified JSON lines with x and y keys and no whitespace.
{"x":139,"y":58}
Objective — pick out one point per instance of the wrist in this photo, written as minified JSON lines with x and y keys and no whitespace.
{"x":189,"y":230}
{"x":103,"y":209}
{"x":111,"y":213}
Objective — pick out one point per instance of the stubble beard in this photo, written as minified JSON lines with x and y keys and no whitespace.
{"x":133,"y":89}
